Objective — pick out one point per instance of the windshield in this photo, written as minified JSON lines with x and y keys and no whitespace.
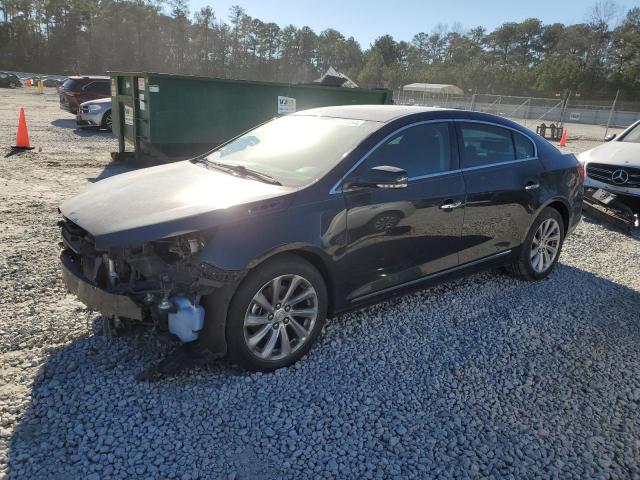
{"x":295,"y":150}
{"x":632,"y":136}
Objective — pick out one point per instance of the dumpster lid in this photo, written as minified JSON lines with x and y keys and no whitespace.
{"x":313,"y":85}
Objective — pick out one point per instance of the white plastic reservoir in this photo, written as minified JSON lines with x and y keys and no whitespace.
{"x":187,"y":321}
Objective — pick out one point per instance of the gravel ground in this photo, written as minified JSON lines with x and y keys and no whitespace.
{"x":484,"y":376}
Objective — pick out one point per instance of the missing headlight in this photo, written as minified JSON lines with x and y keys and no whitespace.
{"x":174,"y":249}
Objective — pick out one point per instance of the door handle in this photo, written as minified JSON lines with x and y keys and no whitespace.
{"x":450,"y":205}
{"x":532,"y":186}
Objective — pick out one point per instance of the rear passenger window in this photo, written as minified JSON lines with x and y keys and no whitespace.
{"x":98,"y":87}
{"x":524,"y":146}
{"x":423,"y":149}
{"x":485,"y":144}
{"x":104,"y":87}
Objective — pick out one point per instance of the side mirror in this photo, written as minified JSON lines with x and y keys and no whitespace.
{"x":609,"y":137}
{"x":383,"y":176}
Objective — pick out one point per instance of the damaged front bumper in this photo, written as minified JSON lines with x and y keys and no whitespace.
{"x":159,"y":283}
{"x":622,"y":211}
{"x":88,"y":118}
{"x":95,"y":298}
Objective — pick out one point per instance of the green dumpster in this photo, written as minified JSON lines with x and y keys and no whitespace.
{"x":176,"y":116}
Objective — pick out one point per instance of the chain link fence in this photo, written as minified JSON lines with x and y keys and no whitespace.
{"x":532,"y":111}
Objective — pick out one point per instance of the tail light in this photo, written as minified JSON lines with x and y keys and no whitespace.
{"x":581,"y":172}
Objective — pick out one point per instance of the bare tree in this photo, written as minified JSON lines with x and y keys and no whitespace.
{"x":603,"y":13}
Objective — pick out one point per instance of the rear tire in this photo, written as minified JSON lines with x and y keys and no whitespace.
{"x":541,"y":249}
{"x":276,"y":314}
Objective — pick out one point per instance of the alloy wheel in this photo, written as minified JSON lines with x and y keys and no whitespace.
{"x":108,"y":121}
{"x":280,"y":317}
{"x":545,"y":245}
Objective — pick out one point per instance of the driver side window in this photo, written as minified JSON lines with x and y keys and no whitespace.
{"x":422,"y":149}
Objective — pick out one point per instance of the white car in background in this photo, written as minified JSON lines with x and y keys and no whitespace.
{"x":615,"y":166}
{"x":612,"y":176}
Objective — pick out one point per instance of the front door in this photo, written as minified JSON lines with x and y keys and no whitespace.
{"x":396,"y":235}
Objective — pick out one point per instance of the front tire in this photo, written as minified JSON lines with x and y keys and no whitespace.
{"x":107,"y":121}
{"x":276,"y":314}
{"x":541,"y":249}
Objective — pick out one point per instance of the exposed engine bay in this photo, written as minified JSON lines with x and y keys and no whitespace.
{"x":158,"y":283}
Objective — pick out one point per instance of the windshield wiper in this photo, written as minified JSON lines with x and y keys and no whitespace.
{"x":244,"y":172}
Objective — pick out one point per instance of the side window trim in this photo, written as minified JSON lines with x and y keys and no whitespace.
{"x":484,"y":122}
{"x":456,"y":155}
{"x":494,"y":164}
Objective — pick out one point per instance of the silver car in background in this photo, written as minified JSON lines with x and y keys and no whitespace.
{"x":95,"y":113}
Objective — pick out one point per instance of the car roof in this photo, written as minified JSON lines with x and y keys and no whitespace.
{"x":88,"y":77}
{"x":374,"y":113}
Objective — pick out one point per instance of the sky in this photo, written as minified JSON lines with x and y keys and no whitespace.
{"x":366,"y":20}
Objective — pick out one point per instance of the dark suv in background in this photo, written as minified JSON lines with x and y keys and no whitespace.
{"x":76,"y":90}
{"x":9,"y":80}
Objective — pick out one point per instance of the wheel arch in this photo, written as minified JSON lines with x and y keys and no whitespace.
{"x":557,"y":203}
{"x":313,"y":255}
{"x":563,"y":209}
{"x":217,"y":304}
{"x":322,"y":266}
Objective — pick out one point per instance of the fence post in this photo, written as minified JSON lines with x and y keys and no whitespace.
{"x":564,"y":109}
{"x":613,"y":108}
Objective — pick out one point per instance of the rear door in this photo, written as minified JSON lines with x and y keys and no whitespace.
{"x":396,"y":235}
{"x":503,"y":178}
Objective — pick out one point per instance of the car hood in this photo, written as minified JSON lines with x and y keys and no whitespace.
{"x":168,"y":200}
{"x":614,"y":153}
{"x":99,"y":100}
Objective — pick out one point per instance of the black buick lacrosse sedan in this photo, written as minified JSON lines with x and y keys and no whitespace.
{"x":250,"y":247}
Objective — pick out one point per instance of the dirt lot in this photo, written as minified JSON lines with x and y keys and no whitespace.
{"x":491,"y":377}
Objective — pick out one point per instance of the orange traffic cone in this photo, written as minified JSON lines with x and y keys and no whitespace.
{"x":22,"y":137}
{"x":563,"y":140}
